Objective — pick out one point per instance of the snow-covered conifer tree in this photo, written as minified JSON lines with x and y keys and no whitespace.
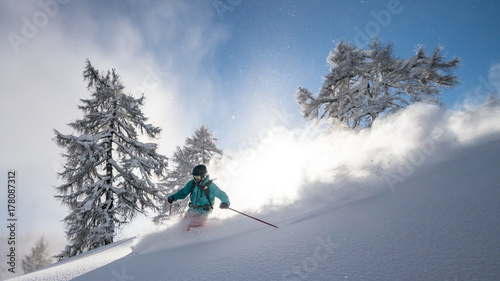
{"x":200,"y":149}
{"x":364,"y":84}
{"x":38,"y":258}
{"x":109,"y":172}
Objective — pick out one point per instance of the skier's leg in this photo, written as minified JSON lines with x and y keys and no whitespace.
{"x":197,"y":220}
{"x":194,"y":218}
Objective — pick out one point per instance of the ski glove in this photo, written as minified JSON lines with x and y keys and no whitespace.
{"x":224,"y":205}
{"x":170,"y":199}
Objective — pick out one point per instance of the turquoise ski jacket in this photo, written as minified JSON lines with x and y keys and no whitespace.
{"x":198,"y":198}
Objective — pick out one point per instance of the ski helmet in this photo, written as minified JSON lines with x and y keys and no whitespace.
{"x":200,"y":170}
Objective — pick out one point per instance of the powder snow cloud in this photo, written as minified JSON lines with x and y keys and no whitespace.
{"x":285,"y":166}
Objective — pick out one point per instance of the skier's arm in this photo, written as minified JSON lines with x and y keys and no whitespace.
{"x":220,"y":194}
{"x":183,"y":192}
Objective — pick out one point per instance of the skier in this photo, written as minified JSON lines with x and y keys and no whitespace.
{"x":203,"y":192}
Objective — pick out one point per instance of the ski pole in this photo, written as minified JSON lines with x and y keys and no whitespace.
{"x":170,"y":211}
{"x":252,"y":217}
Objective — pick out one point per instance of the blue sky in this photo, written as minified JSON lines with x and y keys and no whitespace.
{"x":234,"y":68}
{"x":302,"y":33}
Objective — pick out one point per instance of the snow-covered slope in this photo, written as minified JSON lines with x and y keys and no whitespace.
{"x":443,"y":224}
{"x":439,"y":222}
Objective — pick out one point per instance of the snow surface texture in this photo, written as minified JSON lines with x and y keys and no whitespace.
{"x":415,"y":198}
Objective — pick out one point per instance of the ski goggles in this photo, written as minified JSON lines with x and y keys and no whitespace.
{"x":197,"y":177}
